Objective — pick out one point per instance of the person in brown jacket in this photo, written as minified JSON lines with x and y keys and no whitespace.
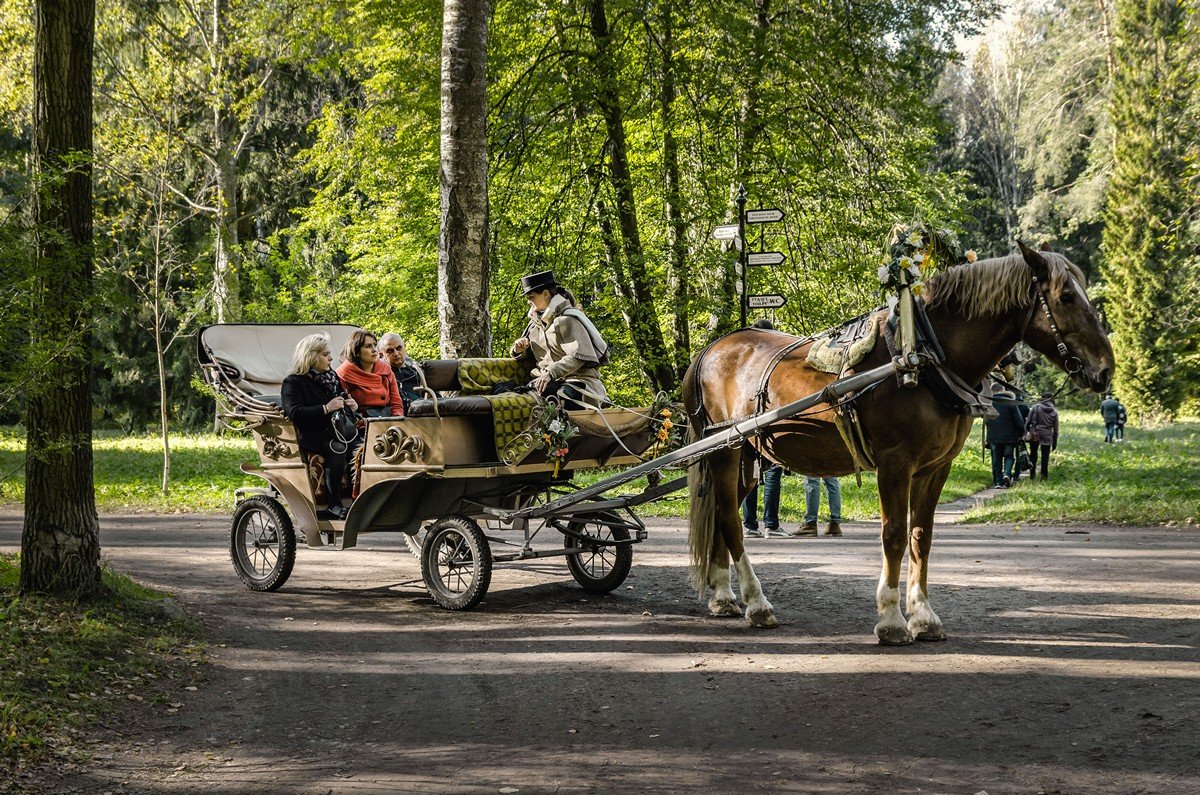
{"x":1042,"y":433}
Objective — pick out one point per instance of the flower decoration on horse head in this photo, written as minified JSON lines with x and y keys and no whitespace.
{"x":913,"y":252}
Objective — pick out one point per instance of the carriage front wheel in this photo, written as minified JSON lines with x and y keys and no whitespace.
{"x":262,"y":543}
{"x":456,"y":562}
{"x":599,"y":568}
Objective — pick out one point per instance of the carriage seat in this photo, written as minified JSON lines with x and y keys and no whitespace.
{"x":467,"y":396}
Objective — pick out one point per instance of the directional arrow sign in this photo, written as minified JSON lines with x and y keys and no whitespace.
{"x":766,"y":301}
{"x":765,"y":258}
{"x":766,"y":216}
{"x":726,"y":232}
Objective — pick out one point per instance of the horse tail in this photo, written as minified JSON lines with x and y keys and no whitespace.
{"x":702,"y":526}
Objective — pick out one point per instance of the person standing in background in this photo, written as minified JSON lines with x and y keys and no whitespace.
{"x":771,"y":482}
{"x":1004,"y":432}
{"x":1042,"y":427}
{"x":812,"y":507}
{"x":1110,"y":410}
{"x":1121,"y":417}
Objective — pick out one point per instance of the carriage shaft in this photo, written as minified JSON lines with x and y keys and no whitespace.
{"x":725,"y":438}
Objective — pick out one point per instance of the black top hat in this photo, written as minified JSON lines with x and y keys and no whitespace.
{"x":536,"y":282}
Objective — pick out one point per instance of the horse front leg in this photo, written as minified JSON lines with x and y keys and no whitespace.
{"x":923,"y":623}
{"x":894,"y":486}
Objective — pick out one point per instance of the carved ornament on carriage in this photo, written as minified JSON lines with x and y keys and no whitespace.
{"x":394,"y":446}
{"x":275,"y":449}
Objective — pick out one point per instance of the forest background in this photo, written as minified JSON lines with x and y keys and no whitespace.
{"x":278,"y":161}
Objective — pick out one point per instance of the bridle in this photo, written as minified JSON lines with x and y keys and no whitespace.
{"x":1071,"y":363}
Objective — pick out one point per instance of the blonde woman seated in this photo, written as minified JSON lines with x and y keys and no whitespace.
{"x":310,"y":394}
{"x":369,"y":379}
{"x":563,"y":347}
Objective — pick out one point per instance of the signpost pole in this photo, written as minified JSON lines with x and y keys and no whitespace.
{"x":742,"y":255}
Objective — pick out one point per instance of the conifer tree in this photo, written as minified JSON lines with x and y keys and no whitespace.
{"x":1145,"y":214}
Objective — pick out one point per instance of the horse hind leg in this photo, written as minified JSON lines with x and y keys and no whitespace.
{"x":723,"y":602}
{"x":759,"y":612}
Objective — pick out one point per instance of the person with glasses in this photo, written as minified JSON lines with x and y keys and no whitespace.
{"x":404,"y":367}
{"x":368,"y":379}
{"x":310,"y":394}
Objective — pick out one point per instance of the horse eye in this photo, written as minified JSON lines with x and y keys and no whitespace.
{"x":1067,"y":297}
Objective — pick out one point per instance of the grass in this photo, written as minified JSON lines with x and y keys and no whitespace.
{"x":1153,"y":477}
{"x":1150,"y":479}
{"x":128,"y":471}
{"x":64,"y":664}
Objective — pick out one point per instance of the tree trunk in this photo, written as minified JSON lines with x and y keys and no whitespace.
{"x":464,"y":308}
{"x":226,"y":298}
{"x":750,"y":125}
{"x":60,"y":542}
{"x":644,"y":328}
{"x":677,"y":264}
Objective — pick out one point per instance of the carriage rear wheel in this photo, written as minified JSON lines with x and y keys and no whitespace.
{"x":599,"y":568}
{"x":414,"y":541}
{"x":262,"y":543}
{"x":456,"y":563}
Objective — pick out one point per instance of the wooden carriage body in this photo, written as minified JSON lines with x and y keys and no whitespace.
{"x":441,"y":460}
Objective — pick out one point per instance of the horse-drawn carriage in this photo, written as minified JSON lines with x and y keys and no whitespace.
{"x":457,"y":461}
{"x":447,"y":475}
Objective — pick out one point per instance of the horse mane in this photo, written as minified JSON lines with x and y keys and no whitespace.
{"x":994,"y":286}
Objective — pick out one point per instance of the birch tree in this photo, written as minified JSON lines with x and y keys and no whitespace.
{"x":464,"y":308}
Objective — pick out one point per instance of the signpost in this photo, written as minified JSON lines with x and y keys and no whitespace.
{"x":767,"y":215}
{"x":736,"y":233}
{"x":772,"y":301}
{"x":765,"y":258}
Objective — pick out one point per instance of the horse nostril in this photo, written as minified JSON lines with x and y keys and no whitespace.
{"x":1103,"y":377}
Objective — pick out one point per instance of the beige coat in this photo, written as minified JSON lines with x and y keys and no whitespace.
{"x":561,"y":347}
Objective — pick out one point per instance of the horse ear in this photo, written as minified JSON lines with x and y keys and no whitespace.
{"x":1038,"y":263}
{"x":1045,"y":247}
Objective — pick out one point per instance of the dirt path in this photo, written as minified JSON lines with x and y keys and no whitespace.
{"x":1072,"y":666}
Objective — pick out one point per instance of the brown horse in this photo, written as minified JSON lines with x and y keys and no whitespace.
{"x":978,"y":313}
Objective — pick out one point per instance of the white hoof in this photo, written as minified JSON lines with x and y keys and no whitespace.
{"x":763,"y":618}
{"x":923,"y":623}
{"x":723,"y":607}
{"x":890,"y":635}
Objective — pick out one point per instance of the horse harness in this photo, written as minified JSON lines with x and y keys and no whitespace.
{"x":956,"y":395}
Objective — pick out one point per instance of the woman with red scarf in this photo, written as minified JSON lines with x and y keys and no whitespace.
{"x":368,"y":379}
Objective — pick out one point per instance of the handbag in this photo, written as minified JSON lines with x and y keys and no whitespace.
{"x":345,"y":430}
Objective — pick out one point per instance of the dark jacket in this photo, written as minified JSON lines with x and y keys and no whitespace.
{"x":1043,"y":421}
{"x":1110,"y":410}
{"x":407,"y":381}
{"x":1121,"y":415}
{"x":1007,"y":427}
{"x":304,"y":404}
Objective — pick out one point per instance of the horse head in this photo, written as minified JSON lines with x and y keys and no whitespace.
{"x":1064,"y":326}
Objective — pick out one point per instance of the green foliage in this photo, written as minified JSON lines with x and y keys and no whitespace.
{"x":1150,"y":304}
{"x":64,"y":664}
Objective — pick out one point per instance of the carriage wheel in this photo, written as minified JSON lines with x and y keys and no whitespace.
{"x":262,"y":543}
{"x":599,"y":568}
{"x":456,"y":563}
{"x":414,"y":541}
